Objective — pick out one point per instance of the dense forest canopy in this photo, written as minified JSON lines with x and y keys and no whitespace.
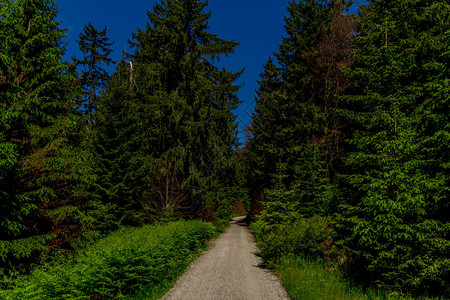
{"x":350,"y":136}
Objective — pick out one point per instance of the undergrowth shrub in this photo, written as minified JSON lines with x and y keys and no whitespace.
{"x":221,"y":224}
{"x":303,"y":237}
{"x":310,"y":266}
{"x":130,"y":263}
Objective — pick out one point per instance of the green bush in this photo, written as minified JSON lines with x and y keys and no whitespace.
{"x":303,"y":237}
{"x":303,"y":254}
{"x":221,"y":224}
{"x":130,"y":263}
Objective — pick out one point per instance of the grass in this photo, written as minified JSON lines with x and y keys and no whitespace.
{"x":311,"y":280}
{"x":305,"y":279}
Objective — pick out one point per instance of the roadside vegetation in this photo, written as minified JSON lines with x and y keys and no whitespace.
{"x":310,"y":267}
{"x":131,"y":263}
{"x":311,"y":279}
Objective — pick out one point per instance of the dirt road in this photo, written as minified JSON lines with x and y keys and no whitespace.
{"x":229,"y":270}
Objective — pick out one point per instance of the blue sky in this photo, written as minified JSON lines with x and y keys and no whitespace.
{"x":257,"y":25}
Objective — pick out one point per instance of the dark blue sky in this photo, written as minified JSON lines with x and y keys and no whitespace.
{"x":257,"y":25}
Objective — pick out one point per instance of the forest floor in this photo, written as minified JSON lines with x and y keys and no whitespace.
{"x":230,"y":269}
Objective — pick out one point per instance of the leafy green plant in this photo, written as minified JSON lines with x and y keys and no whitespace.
{"x":137,"y":262}
{"x":303,"y":237}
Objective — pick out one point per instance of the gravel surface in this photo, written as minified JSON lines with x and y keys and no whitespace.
{"x":230,"y":269}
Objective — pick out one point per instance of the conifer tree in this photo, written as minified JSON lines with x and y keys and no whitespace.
{"x":393,"y":224}
{"x":120,"y":148}
{"x":304,"y":131}
{"x":434,"y":113}
{"x":42,"y":170}
{"x":94,"y":45}
{"x":182,"y":111}
{"x":283,"y":114}
{"x":268,"y":142}
{"x":192,"y":87}
{"x":328,"y":64}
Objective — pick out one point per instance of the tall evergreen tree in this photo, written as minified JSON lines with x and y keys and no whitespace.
{"x":121,"y":147}
{"x":394,"y":224}
{"x":182,"y":110}
{"x":295,"y":122}
{"x":41,"y":173}
{"x":192,"y":87}
{"x":434,"y":113}
{"x":268,"y":141}
{"x":328,"y":64}
{"x":94,"y":45}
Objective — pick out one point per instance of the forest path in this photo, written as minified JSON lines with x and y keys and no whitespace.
{"x":230,"y":269}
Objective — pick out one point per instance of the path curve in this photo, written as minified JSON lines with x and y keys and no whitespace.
{"x":230,"y":269}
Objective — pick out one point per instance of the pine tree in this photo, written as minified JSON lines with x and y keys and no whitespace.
{"x":269,"y":141}
{"x":328,"y":64}
{"x":181,"y":112}
{"x":41,"y":174}
{"x":121,"y":147}
{"x":94,"y":45}
{"x":295,"y":120}
{"x":304,"y":26}
{"x":434,"y":114}
{"x":392,"y":224}
{"x":192,"y":87}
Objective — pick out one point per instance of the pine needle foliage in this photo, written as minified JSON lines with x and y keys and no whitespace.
{"x":295,"y":121}
{"x":353,"y":122}
{"x":171,"y":108}
{"x":393,"y":223}
{"x":95,"y":46}
{"x":44,"y":173}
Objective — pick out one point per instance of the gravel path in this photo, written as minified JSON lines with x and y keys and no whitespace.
{"x":230,"y":269}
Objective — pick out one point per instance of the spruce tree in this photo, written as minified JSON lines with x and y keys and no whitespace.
{"x":94,"y":45}
{"x":393,"y":223}
{"x":295,"y":121}
{"x":195,"y":99}
{"x":181,"y":112}
{"x":328,"y":64}
{"x":304,"y":24}
{"x":282,"y":124}
{"x":41,"y":174}
{"x":433,"y":112}
{"x":268,"y":143}
{"x":120,"y":148}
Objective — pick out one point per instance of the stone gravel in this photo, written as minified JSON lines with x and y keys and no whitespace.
{"x":230,"y":269}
